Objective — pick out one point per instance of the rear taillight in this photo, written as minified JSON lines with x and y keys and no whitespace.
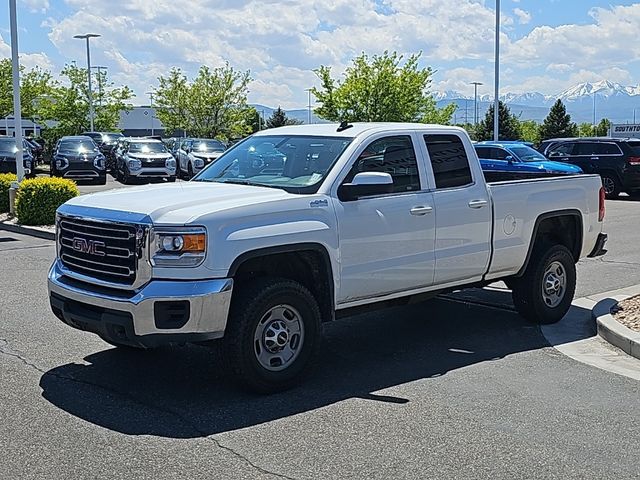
{"x":635,"y":161}
{"x":601,"y":208}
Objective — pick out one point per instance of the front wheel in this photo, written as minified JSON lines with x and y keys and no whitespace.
{"x":273,"y":334}
{"x":545,"y":291}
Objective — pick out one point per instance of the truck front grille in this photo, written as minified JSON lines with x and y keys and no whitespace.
{"x":105,"y":251}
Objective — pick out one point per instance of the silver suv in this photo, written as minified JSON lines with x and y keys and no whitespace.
{"x":143,"y":158}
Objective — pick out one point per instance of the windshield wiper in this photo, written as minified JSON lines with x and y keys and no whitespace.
{"x":247,"y":182}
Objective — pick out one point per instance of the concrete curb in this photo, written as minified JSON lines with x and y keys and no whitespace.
{"x":612,"y":331}
{"x":21,"y":229}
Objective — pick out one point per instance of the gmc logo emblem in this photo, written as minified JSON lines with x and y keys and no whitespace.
{"x":92,"y":247}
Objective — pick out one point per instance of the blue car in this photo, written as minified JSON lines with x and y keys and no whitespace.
{"x":519,"y":158}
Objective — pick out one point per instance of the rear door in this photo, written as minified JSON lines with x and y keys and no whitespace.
{"x":462,"y":207}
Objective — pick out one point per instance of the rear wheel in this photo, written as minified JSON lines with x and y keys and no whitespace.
{"x":273,"y":334}
{"x":189,"y":171}
{"x":611,"y":185}
{"x":545,"y":291}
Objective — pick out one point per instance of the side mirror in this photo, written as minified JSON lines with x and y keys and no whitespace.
{"x":366,"y":184}
{"x":509,"y":159}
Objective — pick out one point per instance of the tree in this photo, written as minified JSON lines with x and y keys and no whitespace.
{"x":279,"y":119}
{"x":602,"y":129}
{"x":254,"y":120}
{"x":213,"y":105}
{"x":67,"y":106}
{"x":383,"y":89}
{"x":585,"y":130}
{"x":34,"y":84}
{"x":508,"y":124}
{"x":558,"y":123}
{"x":530,"y":131}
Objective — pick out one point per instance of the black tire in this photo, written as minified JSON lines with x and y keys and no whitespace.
{"x":531,"y":299}
{"x":249,"y":308}
{"x":611,"y":184}
{"x":189,"y":171}
{"x":102,"y":180}
{"x":171,"y":179}
{"x":126,"y":178}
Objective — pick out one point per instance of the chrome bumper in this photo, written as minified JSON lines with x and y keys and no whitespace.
{"x":153,"y":172}
{"x":132,"y":317}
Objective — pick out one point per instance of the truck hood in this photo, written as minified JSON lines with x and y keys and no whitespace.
{"x":176,"y":203}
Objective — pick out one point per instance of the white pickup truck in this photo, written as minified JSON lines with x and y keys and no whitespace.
{"x":300,"y":225}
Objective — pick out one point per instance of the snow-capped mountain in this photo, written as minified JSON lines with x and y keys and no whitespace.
{"x":614,"y":101}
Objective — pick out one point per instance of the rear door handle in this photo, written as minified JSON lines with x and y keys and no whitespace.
{"x":595,"y":158}
{"x":477,"y":203}
{"x":421,"y":210}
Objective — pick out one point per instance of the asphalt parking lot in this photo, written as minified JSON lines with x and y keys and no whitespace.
{"x":443,"y":389}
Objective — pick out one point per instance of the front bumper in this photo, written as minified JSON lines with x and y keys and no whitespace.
{"x":153,"y":173}
{"x":161,"y":312}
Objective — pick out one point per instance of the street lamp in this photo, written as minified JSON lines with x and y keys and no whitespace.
{"x":475,"y":101}
{"x":100,"y":68}
{"x":17,"y":114}
{"x":309,"y":114}
{"x":151,"y":94}
{"x":87,"y":36}
{"x":496,"y":100}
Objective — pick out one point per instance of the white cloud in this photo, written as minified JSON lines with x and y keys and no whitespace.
{"x":524,"y":17}
{"x":28,"y":60}
{"x":36,"y":5}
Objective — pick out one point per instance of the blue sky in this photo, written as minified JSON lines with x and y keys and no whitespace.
{"x":548,"y":45}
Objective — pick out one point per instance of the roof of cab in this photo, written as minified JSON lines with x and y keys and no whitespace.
{"x":356,"y":128}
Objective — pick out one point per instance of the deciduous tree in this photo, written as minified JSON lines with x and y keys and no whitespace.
{"x":383,"y":88}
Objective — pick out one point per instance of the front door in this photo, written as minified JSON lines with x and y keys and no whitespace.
{"x":386,"y":241}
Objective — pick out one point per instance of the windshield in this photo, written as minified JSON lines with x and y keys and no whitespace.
{"x":147,"y":147}
{"x":207,"y":146}
{"x":79,"y":146}
{"x":297,"y":164}
{"x":528,"y":154}
{"x":635,"y":147}
{"x":111,"y":137}
{"x":8,"y":145}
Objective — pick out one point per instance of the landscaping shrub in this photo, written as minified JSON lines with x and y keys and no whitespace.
{"x":5,"y":184}
{"x":38,"y":199}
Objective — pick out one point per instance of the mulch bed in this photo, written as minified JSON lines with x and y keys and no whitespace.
{"x":628,"y":313}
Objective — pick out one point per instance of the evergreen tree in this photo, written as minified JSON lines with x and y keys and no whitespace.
{"x":508,"y":125}
{"x":558,"y":123}
{"x":279,"y":119}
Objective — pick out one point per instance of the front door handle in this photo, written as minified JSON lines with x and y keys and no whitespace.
{"x":477,"y":203}
{"x":595,"y":158}
{"x":421,"y":210}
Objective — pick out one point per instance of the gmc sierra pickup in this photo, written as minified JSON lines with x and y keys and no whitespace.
{"x":299,"y":225}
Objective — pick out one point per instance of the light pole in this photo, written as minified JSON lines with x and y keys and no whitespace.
{"x":594,"y":113}
{"x":475,"y":101}
{"x":151,"y":94}
{"x":496,"y":100}
{"x":87,"y":36}
{"x":99,"y":68}
{"x":17,"y":113}
{"x":309,"y":107}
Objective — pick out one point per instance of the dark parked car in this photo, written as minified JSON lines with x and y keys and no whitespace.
{"x":616,"y":160}
{"x":8,"y":150}
{"x":106,"y":142}
{"x":78,"y":158}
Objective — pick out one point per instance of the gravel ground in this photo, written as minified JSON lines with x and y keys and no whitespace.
{"x":628,"y":313}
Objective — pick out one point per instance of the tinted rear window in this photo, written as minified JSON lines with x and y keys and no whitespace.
{"x":448,"y":160}
{"x":635,"y":147}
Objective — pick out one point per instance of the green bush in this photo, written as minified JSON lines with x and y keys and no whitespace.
{"x":39,"y":198}
{"x":5,"y":184}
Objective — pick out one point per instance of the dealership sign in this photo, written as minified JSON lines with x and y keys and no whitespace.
{"x":625,"y":130}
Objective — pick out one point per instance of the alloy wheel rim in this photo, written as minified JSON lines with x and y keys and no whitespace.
{"x":554,"y":284}
{"x":608,"y":184}
{"x":278,"y":338}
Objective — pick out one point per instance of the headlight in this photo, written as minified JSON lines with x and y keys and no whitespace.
{"x":178,"y":247}
{"x":170,"y":163}
{"x":135,"y":164}
{"x":98,"y":162}
{"x":61,"y":163}
{"x":198,"y":163}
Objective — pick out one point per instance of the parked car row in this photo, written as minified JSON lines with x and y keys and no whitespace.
{"x":8,"y":150}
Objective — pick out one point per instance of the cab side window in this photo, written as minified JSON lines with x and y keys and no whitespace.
{"x":394,"y":155}
{"x":448,"y":160}
{"x":563,"y":149}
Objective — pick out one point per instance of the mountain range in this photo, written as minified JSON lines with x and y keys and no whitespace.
{"x":614,"y":101}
